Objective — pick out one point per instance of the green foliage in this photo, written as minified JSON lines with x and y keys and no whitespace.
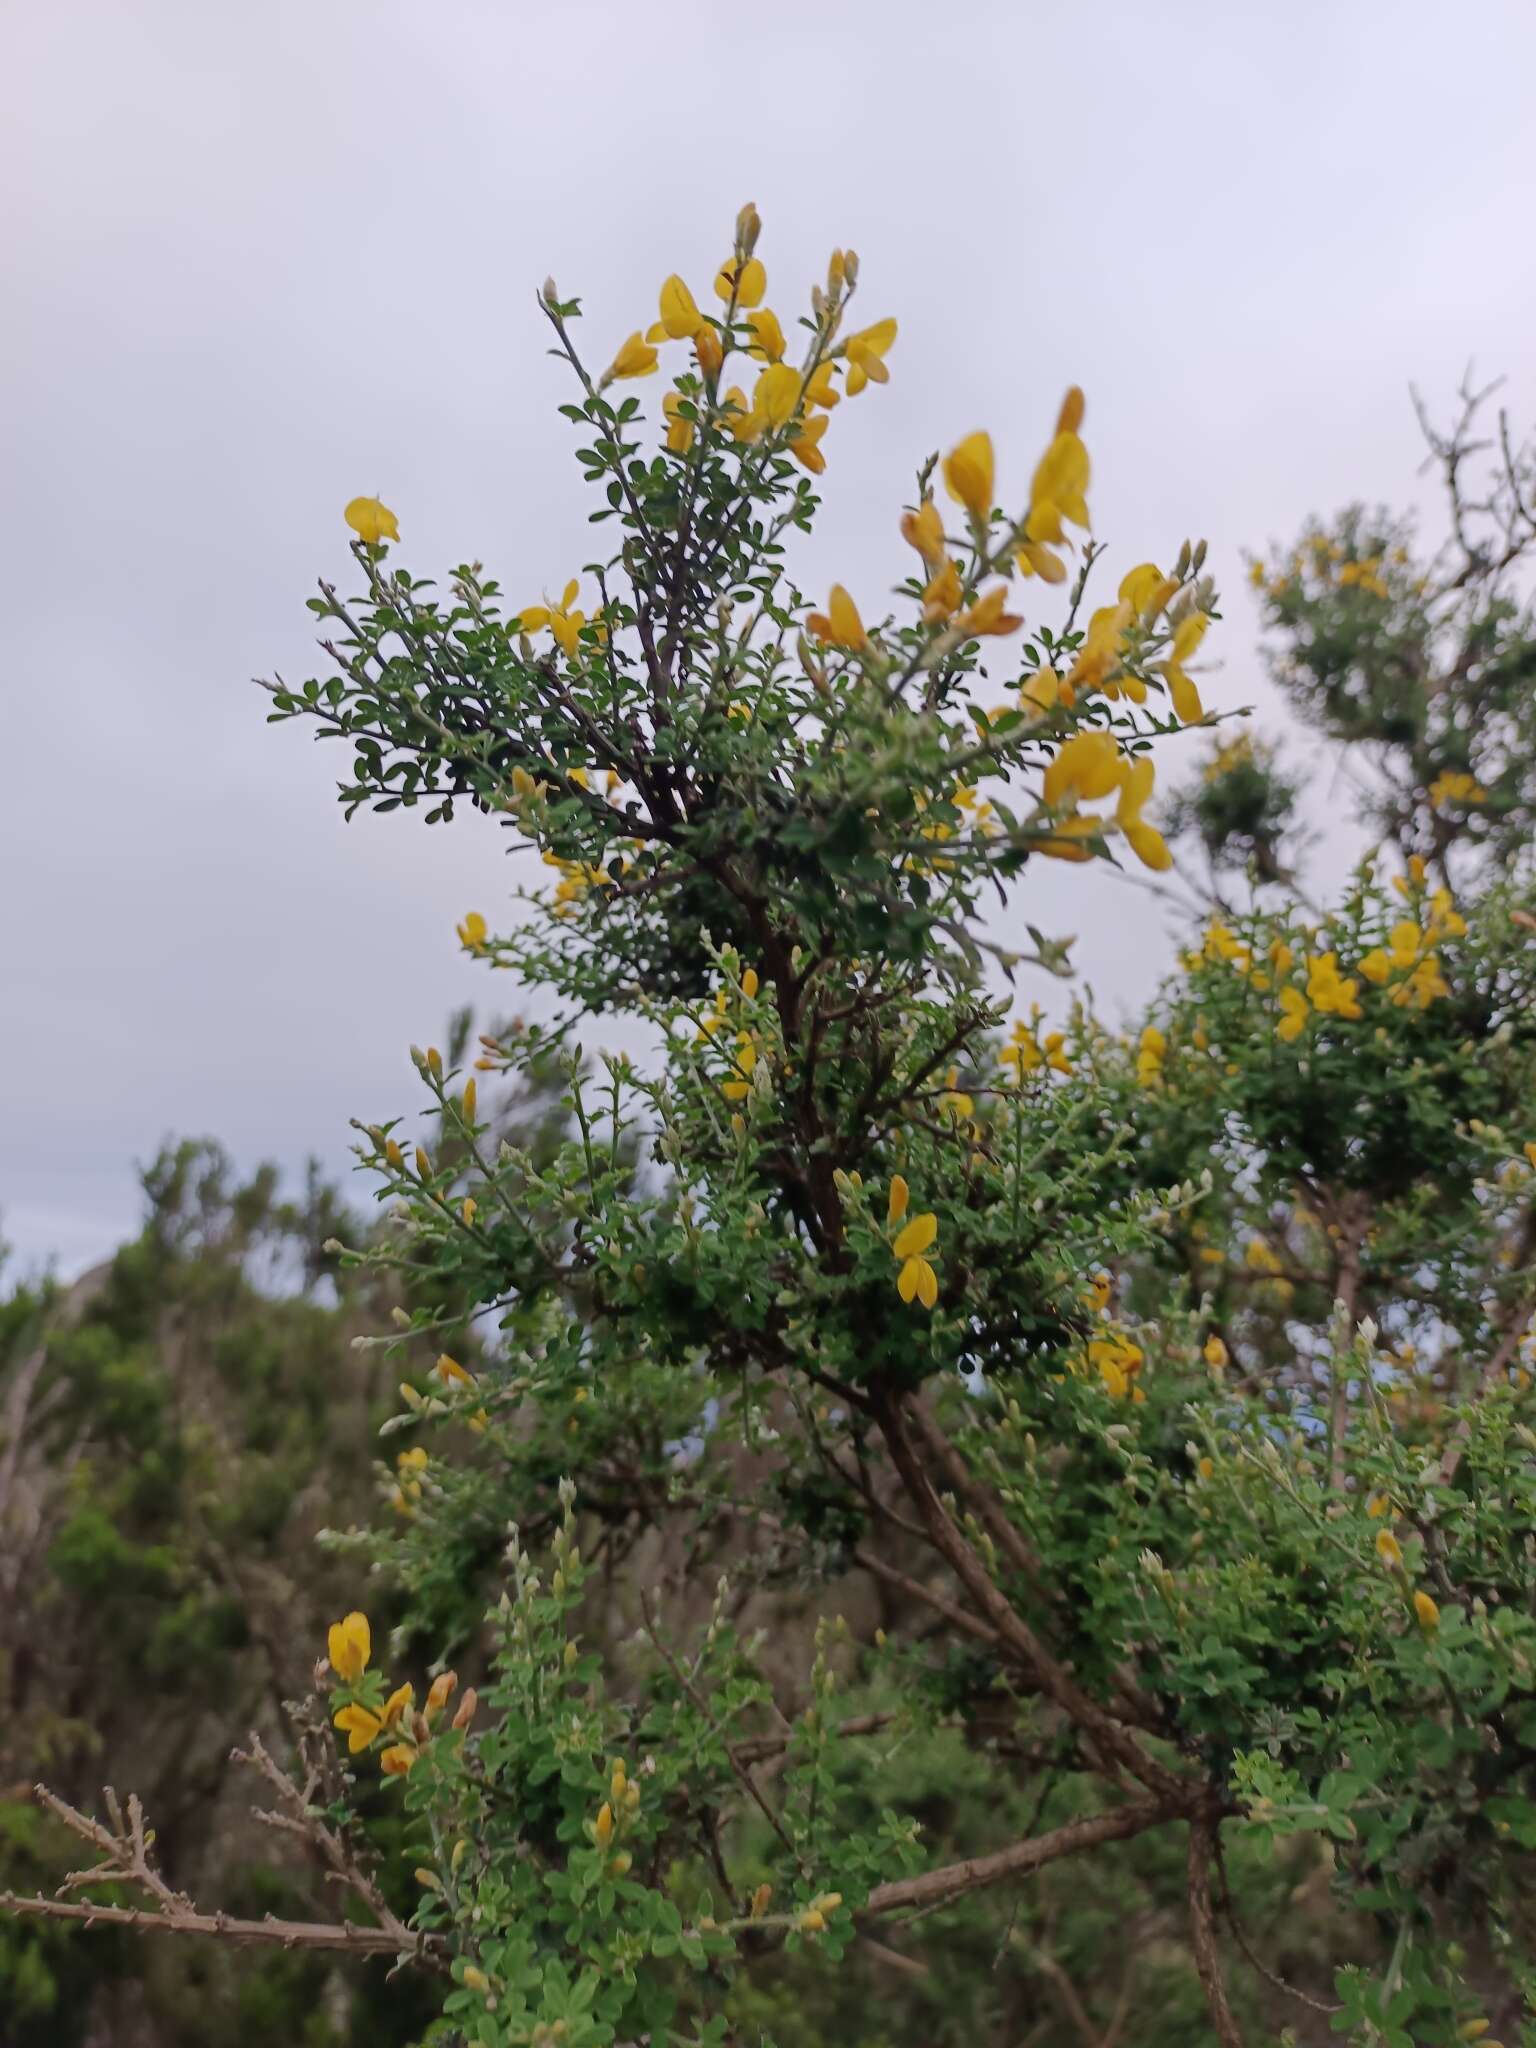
{"x":900,"y":1530}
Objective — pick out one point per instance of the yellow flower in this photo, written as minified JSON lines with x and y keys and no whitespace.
{"x":1146,"y":590}
{"x":1444,"y":921}
{"x":396,"y":1761}
{"x":1428,"y":1613}
{"x":741,"y":422}
{"x":396,"y":1705}
{"x":372,"y":522}
{"x":451,"y":1373}
{"x":1424,"y":985}
{"x":706,"y":346}
{"x":1215,"y":1354}
{"x":917,"y":1280}
{"x":1117,"y":1361}
{"x":988,"y":616}
{"x":1144,"y":840}
{"x":1329,"y":991}
{"x":1151,"y":1050}
{"x":1294,"y":1011}
{"x":359,"y":1726}
{"x":866,"y":352}
{"x":1085,"y":766}
{"x":679,"y":429}
{"x":803,"y":444}
{"x":680,"y":316}
{"x":748,"y":280}
{"x":943,"y":595}
{"x":1057,"y":491}
{"x":1043,"y":691}
{"x":820,"y":389}
{"x":441,"y":1691}
{"x":1187,"y":636}
{"x":1455,"y":787}
{"x":739,"y":1087}
{"x":968,"y":475}
{"x":1388,"y":1549}
{"x":637,"y":358}
{"x":1098,"y":658}
{"x":839,"y":625}
{"x":777,"y":394}
{"x":561,"y":620}
{"x":472,"y":932}
{"x":924,"y":530}
{"x":900,"y":1195}
{"x":767,"y":336}
{"x":349,"y":1645}
{"x":602,"y":1827}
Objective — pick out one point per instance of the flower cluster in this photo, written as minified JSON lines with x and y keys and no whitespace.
{"x":371,"y":1713}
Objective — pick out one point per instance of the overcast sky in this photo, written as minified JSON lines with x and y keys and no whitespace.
{"x":260,"y":258}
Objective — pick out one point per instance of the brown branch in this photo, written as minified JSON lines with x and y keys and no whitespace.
{"x":310,"y":1934}
{"x":956,"y":1616}
{"x":124,"y":1848}
{"x":955,"y":1880}
{"x":1111,"y":1737}
{"x":1202,"y":1927}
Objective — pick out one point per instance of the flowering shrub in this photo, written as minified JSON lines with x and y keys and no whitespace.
{"x":1093,"y":1356}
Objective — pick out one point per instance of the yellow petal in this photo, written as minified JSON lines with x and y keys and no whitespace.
{"x":348,"y":1645}
{"x":968,"y":475}
{"x":750,"y":283}
{"x":767,"y":335}
{"x":680,"y":316}
{"x":916,"y":1236}
{"x":896,"y":1208}
{"x":907,"y":1278}
{"x":1073,"y":406}
{"x":637,"y":358}
{"x":1148,"y":845}
{"x":847,"y":626}
{"x":821,"y":390}
{"x":870,"y":344}
{"x":359,"y":1727}
{"x":1136,"y":780}
{"x":1085,"y":766}
{"x":1186,"y":698}
{"x":1140,"y":585}
{"x":924,"y":530}
{"x":371,"y":521}
{"x":777,"y":394}
{"x":1187,"y":635}
{"x":1036,"y":560}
